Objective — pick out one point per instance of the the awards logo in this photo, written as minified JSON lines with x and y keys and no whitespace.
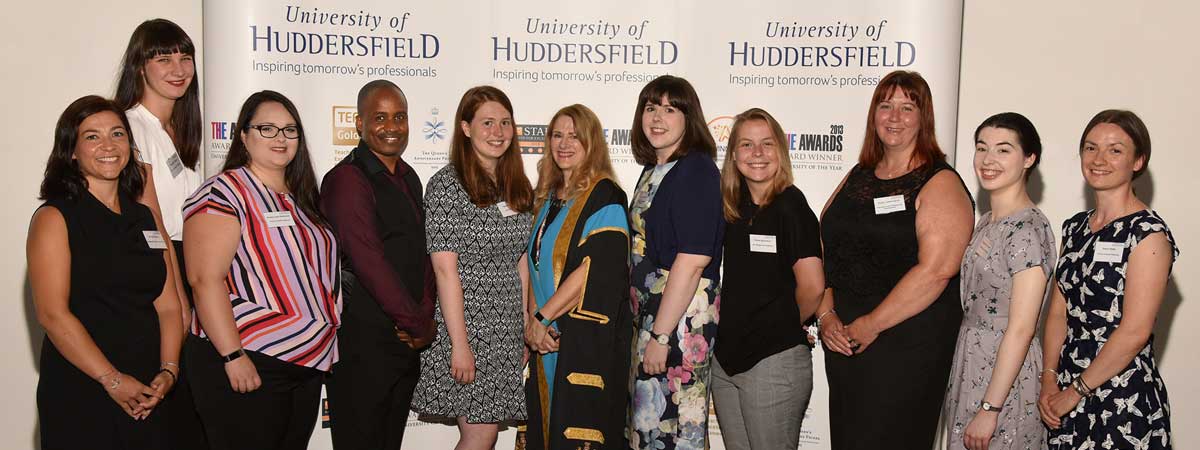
{"x":531,"y":139}
{"x":344,"y":130}
{"x":434,"y":128}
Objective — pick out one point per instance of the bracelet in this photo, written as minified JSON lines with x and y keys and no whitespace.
{"x":168,"y":363}
{"x":234,"y":355}
{"x":822,"y":316}
{"x":1081,"y":388}
{"x":113,"y":383}
{"x":540,"y":318}
{"x":1048,"y":371}
{"x":1084,"y":383}
{"x":168,"y":372}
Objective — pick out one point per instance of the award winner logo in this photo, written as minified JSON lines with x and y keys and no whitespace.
{"x":531,"y":139}
{"x":344,"y":130}
{"x":434,"y":128}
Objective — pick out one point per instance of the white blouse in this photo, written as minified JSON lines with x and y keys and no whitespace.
{"x":173,"y":181}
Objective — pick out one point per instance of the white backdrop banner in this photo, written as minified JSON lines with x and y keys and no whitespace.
{"x":813,"y":65}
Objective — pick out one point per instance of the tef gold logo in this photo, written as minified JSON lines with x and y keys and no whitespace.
{"x":344,"y":131}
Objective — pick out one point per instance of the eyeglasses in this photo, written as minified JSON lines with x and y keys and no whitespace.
{"x":270,"y":131}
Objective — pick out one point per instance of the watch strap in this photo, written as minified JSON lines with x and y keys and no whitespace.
{"x":233,"y":355}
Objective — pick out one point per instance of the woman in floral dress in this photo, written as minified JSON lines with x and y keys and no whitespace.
{"x":677,"y":226}
{"x":992,"y":399}
{"x":1101,"y":387}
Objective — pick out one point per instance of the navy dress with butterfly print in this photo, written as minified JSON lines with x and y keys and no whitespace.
{"x":1129,"y":411}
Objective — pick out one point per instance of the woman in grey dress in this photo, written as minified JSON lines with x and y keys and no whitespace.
{"x":993,"y":393}
{"x":477,"y":223}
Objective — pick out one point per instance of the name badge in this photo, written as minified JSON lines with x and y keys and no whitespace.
{"x":175,"y":164}
{"x":762,"y":243}
{"x":276,"y":219}
{"x":1109,"y":252}
{"x":505,"y":210}
{"x":889,"y":204}
{"x":155,"y":240}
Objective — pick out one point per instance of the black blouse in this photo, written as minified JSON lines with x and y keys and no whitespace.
{"x":759,"y":315}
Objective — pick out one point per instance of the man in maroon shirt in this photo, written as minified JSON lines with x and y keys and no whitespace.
{"x":372,"y":199}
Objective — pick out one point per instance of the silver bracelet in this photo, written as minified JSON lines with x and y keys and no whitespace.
{"x":822,"y":316}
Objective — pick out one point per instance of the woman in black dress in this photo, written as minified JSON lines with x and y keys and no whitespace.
{"x":98,"y":267}
{"x":894,"y":235}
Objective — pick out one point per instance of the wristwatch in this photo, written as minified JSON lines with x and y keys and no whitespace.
{"x":988,"y":407}
{"x":661,"y":338}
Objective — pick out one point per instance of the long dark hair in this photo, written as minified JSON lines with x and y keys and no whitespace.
{"x":511,"y":185}
{"x":150,"y":39}
{"x":914,"y":86}
{"x":299,"y":175}
{"x":682,"y":96}
{"x":63,"y":180}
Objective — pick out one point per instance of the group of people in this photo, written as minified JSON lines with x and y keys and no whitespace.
{"x":436,"y":298}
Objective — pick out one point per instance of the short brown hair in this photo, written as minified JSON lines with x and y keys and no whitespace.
{"x":682,"y":96}
{"x":1132,"y":125}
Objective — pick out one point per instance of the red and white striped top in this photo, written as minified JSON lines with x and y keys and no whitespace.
{"x":284,"y":282}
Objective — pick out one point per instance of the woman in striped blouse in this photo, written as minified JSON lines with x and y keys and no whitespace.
{"x":263,"y":266}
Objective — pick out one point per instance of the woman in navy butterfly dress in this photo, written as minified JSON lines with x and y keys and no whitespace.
{"x":1101,"y":387}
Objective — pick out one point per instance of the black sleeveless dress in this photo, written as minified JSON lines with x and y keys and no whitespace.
{"x":890,"y":396}
{"x":115,"y":277}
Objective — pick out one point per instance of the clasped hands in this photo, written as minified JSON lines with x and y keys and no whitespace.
{"x":850,"y":339}
{"x":541,"y":338}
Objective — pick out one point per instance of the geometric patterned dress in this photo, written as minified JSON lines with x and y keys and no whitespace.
{"x":488,"y":246}
{"x":1130,"y":410}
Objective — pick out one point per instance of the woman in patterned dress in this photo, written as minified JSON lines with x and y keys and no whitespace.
{"x":677,"y":227}
{"x":992,"y":400}
{"x":1106,"y":391}
{"x":477,"y":223}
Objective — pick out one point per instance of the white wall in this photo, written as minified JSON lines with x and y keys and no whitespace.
{"x":1059,"y":63}
{"x":1056,"y":62}
{"x":54,"y":52}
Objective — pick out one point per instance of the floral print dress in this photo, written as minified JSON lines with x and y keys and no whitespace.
{"x":998,"y":251}
{"x":1130,"y":410}
{"x":668,"y":411}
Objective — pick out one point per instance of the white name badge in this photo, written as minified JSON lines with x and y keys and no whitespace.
{"x":175,"y":165}
{"x":889,"y":204}
{"x":276,"y":219}
{"x":505,"y":210}
{"x":1109,"y":252}
{"x":762,"y":243}
{"x":155,"y":240}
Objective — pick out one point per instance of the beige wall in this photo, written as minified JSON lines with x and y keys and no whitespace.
{"x":1056,"y":62}
{"x":1059,"y":63}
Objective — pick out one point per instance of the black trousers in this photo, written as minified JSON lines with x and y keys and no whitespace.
{"x":370,"y":390}
{"x":279,"y":415}
{"x":185,"y":429}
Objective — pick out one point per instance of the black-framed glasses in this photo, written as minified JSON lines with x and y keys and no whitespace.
{"x":270,"y":131}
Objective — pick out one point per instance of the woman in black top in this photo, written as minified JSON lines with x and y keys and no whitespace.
{"x":894,"y":234}
{"x":774,"y":279}
{"x":102,"y":291}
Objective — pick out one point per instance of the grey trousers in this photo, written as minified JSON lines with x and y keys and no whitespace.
{"x":762,"y":408}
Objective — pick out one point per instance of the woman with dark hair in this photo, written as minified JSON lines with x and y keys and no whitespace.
{"x":894,"y":233}
{"x":102,"y":291}
{"x":991,"y":402}
{"x":264,"y":267}
{"x":579,"y":276}
{"x":773,"y":281}
{"x":676,"y":224}
{"x":159,"y":91}
{"x":1101,"y":384}
{"x":477,"y":224}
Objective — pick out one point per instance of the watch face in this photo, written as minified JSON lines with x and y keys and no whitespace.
{"x":663,"y":339}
